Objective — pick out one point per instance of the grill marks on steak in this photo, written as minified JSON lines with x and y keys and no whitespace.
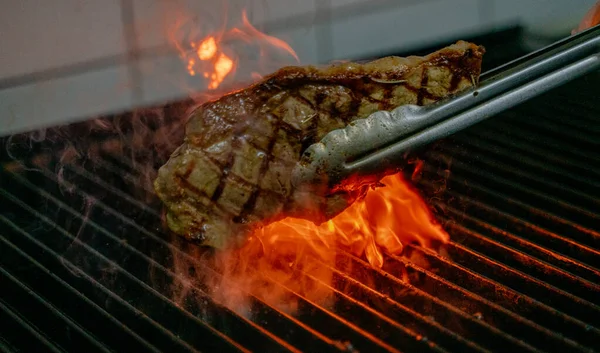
{"x":234,"y":169}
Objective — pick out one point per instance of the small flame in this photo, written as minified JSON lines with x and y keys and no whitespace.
{"x":207,"y":49}
{"x":252,"y":32}
{"x":223,"y":67}
{"x":381,"y":222}
{"x":215,"y":56}
{"x":220,"y":64}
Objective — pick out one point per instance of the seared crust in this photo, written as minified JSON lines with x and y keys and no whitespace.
{"x":233,"y":170}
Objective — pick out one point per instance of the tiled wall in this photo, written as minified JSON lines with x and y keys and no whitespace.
{"x":69,"y":60}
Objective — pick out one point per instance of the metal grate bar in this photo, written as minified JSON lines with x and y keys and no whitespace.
{"x":376,"y":323}
{"x":22,"y":334}
{"x":536,"y":158}
{"x":511,"y":189}
{"x":66,"y":298}
{"x":525,"y":263}
{"x":522,"y":282}
{"x":352,"y":275}
{"x":580,"y":238}
{"x":571,"y":126}
{"x":577,"y":116}
{"x":513,"y":241}
{"x":5,"y":347}
{"x":552,"y":129}
{"x":553,"y":142}
{"x":370,"y":321}
{"x":556,"y":142}
{"x":581,"y":109}
{"x":541,"y":236}
{"x":456,"y":213}
{"x":449,"y":272}
{"x":64,"y":331}
{"x":118,"y":193}
{"x":119,"y":308}
{"x":344,"y":285}
{"x":404,"y":344}
{"x":472,"y":316}
{"x":144,"y":295}
{"x":540,"y":180}
{"x":475,"y":331}
{"x":525,"y":284}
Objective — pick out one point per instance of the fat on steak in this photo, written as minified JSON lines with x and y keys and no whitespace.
{"x":233,"y":170}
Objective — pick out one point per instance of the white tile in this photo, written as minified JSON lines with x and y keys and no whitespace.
{"x":38,"y":35}
{"x":342,"y":3}
{"x":304,"y":42}
{"x":338,"y":3}
{"x":64,"y":100}
{"x":166,"y":78}
{"x":403,"y":27}
{"x":266,"y":11}
{"x":534,"y":12}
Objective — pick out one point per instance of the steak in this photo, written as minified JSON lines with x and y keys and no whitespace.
{"x":233,"y":171}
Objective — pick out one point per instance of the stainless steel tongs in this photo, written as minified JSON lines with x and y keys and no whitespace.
{"x":375,"y":144}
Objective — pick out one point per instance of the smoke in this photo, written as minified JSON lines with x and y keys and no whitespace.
{"x":278,"y":275}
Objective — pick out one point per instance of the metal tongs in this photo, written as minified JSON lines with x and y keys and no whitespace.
{"x":375,"y":144}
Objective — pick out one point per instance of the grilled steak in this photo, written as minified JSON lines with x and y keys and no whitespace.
{"x":233,"y":170}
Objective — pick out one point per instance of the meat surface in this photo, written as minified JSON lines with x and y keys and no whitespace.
{"x":233,"y":171}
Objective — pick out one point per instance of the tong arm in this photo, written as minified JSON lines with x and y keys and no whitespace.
{"x":374,"y":144}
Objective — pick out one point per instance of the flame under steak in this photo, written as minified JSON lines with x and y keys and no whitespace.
{"x":233,"y":170}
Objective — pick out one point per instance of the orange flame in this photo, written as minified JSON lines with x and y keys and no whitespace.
{"x":216,"y":55}
{"x":385,"y":219}
{"x":220,"y":64}
{"x":291,"y":255}
{"x":207,"y":49}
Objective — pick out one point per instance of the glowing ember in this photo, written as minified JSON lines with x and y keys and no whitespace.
{"x":223,"y":67}
{"x":207,"y":49}
{"x":220,"y":64}
{"x":190,"y":67}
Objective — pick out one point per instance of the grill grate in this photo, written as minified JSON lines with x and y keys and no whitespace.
{"x":519,"y":195}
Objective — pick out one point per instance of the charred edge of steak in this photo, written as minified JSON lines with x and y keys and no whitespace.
{"x":274,"y":121}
